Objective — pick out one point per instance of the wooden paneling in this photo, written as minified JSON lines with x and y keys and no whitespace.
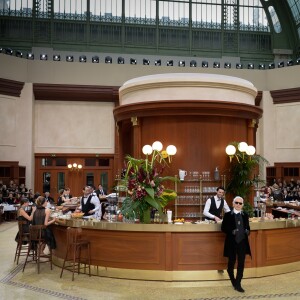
{"x":194,"y":251}
{"x":286,"y":96}
{"x":10,"y":170}
{"x":200,"y":141}
{"x":75,"y":180}
{"x":187,"y":108}
{"x":11,"y":87}
{"x":181,"y":250}
{"x":66,"y":92}
{"x":276,"y":249}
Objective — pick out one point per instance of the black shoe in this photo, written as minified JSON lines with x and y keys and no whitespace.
{"x":233,"y":282}
{"x":239,"y":289}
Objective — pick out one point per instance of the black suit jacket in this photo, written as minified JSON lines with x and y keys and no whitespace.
{"x":228,"y":225}
{"x":98,"y":192}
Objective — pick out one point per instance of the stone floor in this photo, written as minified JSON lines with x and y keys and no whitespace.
{"x":14,"y":284}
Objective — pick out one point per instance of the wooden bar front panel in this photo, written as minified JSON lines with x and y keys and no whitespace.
{"x":181,"y":251}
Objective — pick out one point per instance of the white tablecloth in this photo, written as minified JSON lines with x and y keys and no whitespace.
{"x":7,"y":207}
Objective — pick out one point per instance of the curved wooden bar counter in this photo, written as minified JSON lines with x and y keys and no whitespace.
{"x":181,"y":252}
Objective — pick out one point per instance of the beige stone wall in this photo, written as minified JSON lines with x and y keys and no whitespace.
{"x":73,"y":127}
{"x":67,"y":124}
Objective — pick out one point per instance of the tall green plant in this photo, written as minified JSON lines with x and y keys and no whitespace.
{"x":241,"y":177}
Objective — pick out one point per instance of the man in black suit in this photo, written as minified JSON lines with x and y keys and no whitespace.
{"x":236,"y":226}
{"x":49,"y":199}
{"x":100,"y":191}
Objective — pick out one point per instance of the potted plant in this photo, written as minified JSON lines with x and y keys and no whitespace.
{"x":144,"y":183}
{"x":243,"y":163}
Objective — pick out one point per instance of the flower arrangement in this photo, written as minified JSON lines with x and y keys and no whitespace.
{"x":144,"y":183}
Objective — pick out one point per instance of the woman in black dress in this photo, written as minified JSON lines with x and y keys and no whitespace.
{"x":41,"y":216}
{"x":22,"y":215}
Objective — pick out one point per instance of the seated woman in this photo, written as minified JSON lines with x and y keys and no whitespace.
{"x":22,"y":215}
{"x":41,"y":216}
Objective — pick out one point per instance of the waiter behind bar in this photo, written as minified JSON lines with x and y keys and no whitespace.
{"x":215,"y":205}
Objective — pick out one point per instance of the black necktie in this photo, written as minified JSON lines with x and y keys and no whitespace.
{"x":240,"y":235}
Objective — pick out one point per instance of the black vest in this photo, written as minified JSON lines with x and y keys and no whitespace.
{"x":213,"y":208}
{"x":85,"y":208}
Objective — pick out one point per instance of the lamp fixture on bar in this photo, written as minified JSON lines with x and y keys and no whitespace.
{"x":239,"y":151}
{"x":156,"y":150}
{"x":298,"y":61}
{"x":239,"y":66}
{"x":74,"y":167}
{"x":261,"y":66}
{"x":250,"y":66}
{"x":289,"y":63}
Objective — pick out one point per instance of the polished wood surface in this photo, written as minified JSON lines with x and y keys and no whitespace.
{"x":190,"y":247}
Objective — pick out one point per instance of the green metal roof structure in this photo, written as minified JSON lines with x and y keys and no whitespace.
{"x":256,"y":31}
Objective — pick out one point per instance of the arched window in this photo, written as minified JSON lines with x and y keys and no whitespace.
{"x":275,"y":20}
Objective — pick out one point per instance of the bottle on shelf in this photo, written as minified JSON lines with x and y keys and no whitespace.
{"x":216,"y":174}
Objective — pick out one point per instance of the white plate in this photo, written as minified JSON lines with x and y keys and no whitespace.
{"x":178,"y":223}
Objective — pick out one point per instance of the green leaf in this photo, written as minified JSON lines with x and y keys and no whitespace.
{"x":150,"y":191}
{"x":153,"y":202}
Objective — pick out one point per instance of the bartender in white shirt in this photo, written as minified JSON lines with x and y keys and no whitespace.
{"x":215,"y":205}
{"x":90,"y":203}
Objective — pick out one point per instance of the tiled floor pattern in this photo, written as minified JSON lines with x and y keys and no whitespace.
{"x":14,"y":284}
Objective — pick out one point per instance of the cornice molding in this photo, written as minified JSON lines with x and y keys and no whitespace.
{"x":66,"y":92}
{"x":258,"y":98}
{"x":11,"y":87}
{"x":187,"y":107}
{"x":285,"y":96}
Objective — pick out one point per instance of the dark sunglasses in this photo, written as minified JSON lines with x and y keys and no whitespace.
{"x":239,"y":203}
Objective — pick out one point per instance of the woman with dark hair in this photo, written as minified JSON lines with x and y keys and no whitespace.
{"x":41,"y":216}
{"x":22,"y":215}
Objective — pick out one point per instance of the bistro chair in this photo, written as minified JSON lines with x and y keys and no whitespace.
{"x":22,"y":241}
{"x":1,"y":213}
{"x":78,"y":254}
{"x":12,"y":214}
{"x":36,"y":247}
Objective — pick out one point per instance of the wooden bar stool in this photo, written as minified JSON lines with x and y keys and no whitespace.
{"x":22,"y":240}
{"x":74,"y":258}
{"x":36,"y":247}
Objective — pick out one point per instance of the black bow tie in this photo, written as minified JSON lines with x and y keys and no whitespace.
{"x":219,"y":199}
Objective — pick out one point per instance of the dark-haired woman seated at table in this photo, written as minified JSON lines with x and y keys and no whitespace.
{"x":41,"y":216}
{"x":22,"y":215}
